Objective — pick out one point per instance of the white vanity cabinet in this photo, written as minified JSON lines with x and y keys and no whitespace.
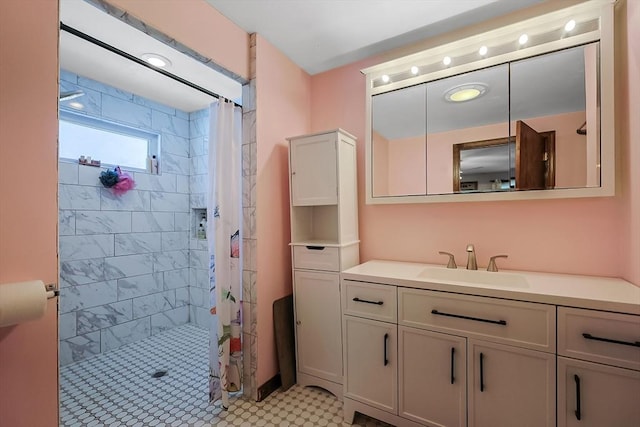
{"x":324,"y":241}
{"x":528,"y":349}
{"x":510,"y":359}
{"x":462,"y":360}
{"x":432,"y":375}
{"x":598,"y":368}
{"x":510,"y":386}
{"x":371,"y":362}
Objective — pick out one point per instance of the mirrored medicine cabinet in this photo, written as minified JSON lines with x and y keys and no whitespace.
{"x":521,"y":112}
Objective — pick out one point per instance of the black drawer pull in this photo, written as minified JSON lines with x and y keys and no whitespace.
{"x":591,"y":337}
{"x":356,"y":299}
{"x":578,"y":410}
{"x":481,"y":372}
{"x":386,"y":361}
{"x":315,"y":248}
{"x":453,"y":352}
{"x":477,"y":319}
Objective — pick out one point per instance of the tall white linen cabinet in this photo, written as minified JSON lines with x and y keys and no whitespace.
{"x":324,"y":241}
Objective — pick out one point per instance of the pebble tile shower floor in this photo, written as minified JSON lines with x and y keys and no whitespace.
{"x":117,"y":389}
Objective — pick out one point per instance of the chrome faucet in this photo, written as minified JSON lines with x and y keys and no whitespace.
{"x":471,"y":258}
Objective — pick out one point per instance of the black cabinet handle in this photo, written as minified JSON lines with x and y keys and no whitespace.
{"x":578,"y":410}
{"x":477,"y":319}
{"x":356,"y":299}
{"x":386,"y":361}
{"x":315,"y":248}
{"x":453,"y":352}
{"x":612,"y":341}
{"x":481,"y":372}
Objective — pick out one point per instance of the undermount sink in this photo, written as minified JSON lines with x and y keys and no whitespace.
{"x":479,"y":277}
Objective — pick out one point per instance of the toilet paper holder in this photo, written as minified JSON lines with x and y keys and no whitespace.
{"x":52,"y":292}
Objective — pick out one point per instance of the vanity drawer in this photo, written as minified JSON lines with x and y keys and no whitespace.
{"x":369,"y":300}
{"x":316,"y":258}
{"x":517,"y":323}
{"x":599,"y":336}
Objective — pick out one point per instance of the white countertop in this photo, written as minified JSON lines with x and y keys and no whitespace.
{"x":600,"y":293}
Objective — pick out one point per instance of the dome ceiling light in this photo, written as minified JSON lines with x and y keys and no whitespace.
{"x":465,"y":92}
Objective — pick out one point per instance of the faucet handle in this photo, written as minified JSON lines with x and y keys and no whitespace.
{"x":452,"y":259}
{"x":492,"y":262}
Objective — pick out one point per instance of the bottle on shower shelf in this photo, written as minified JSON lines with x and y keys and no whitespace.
{"x":153,"y":165}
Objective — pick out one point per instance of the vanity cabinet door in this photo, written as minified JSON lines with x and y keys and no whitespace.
{"x":510,"y":386}
{"x":371,"y":363}
{"x":432,"y":377}
{"x":314,"y":178}
{"x":318,"y":336}
{"x":596,"y":395}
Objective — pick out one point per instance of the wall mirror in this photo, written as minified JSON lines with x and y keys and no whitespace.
{"x":511,"y":121}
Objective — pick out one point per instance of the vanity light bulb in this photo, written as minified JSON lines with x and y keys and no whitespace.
{"x":523,"y":39}
{"x":483,"y":51}
{"x":385,"y":79}
{"x":446,"y":60}
{"x":569,"y":26}
{"x":415,"y":70}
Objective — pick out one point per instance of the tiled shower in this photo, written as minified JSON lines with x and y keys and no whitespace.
{"x":131,"y":265}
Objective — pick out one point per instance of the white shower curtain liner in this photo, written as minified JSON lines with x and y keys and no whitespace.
{"x":224,"y":240}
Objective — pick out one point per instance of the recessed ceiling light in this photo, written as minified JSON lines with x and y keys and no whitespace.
{"x":570,"y":25}
{"x":77,"y":105}
{"x":446,"y":60}
{"x":483,"y":50}
{"x":465,"y":92}
{"x":156,"y":60}
{"x":523,"y":39}
{"x":385,"y":78}
{"x":415,"y":70}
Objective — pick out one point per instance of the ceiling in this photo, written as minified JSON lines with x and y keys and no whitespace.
{"x":319,"y":35}
{"x":88,"y":60}
{"x":316,"y":34}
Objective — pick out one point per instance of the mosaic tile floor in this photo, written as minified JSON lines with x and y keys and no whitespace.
{"x":117,"y":389}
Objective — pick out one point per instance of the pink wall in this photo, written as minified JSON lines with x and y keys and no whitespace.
{"x":579,"y":236}
{"x":283,"y":93}
{"x":197,"y":25}
{"x":28,"y":205}
{"x":628,"y":134}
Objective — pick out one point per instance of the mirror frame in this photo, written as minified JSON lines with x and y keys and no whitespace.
{"x":466,"y":48}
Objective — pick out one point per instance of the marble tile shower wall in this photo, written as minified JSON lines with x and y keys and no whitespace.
{"x":198,"y":250}
{"x":125,"y":260}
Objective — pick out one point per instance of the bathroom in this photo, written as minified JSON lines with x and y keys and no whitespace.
{"x":596,"y":236}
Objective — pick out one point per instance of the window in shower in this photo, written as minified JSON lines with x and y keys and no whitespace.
{"x":111,"y":143}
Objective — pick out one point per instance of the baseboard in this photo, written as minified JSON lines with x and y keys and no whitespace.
{"x":269,"y":387}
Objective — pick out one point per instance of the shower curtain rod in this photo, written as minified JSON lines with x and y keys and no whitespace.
{"x":137,"y":60}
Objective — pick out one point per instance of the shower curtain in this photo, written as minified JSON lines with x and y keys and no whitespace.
{"x":223,"y":232}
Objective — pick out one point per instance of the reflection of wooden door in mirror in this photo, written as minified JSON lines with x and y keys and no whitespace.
{"x":535,"y":158}
{"x":530,"y":159}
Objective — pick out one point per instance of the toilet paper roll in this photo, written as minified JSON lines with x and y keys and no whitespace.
{"x":21,"y":302}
